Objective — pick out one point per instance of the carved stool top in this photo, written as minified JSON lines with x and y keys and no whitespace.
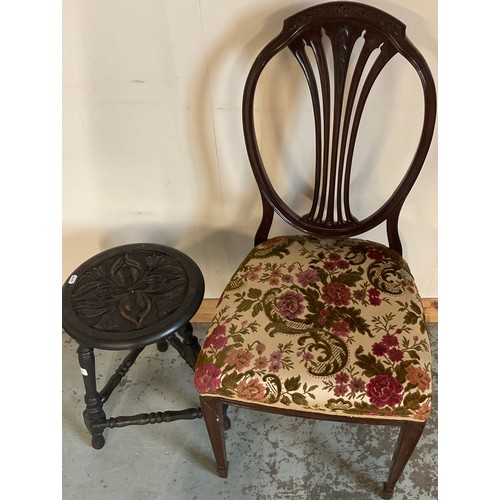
{"x":131,"y":296}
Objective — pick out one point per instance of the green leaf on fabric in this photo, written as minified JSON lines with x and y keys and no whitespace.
{"x":286,"y":400}
{"x":416,"y":308}
{"x":414,"y":400}
{"x":237,"y":339}
{"x":292,"y":384}
{"x":257,"y":308}
{"x":254,"y":293}
{"x":231,"y":380}
{"x":204,"y":358}
{"x":413,"y":355}
{"x":299,"y":399}
{"x":411,"y":318}
{"x":423,"y":326}
{"x":353,"y":317}
{"x":349,"y":278}
{"x":244,"y":305}
{"x":225,"y":392}
{"x":400,"y":371}
{"x":371,"y":366}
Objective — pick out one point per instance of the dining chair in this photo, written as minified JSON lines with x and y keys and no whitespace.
{"x":325,"y":324}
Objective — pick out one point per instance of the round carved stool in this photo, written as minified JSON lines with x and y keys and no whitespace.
{"x":129,"y":297}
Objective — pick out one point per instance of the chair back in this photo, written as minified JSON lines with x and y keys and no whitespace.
{"x":339,"y":89}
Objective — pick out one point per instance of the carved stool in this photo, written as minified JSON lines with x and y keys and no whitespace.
{"x":129,"y":297}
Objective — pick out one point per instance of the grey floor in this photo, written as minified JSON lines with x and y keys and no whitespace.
{"x":270,"y":457}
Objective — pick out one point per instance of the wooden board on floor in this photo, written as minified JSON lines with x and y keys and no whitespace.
{"x":207,"y":310}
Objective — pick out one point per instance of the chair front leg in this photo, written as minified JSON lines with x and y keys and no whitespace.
{"x":408,"y":438}
{"x":213,"y":413}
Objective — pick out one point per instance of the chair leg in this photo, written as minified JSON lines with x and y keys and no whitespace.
{"x":213,"y":413}
{"x":408,"y":438}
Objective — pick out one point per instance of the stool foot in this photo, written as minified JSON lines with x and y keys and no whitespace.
{"x":162,"y":345}
{"x":98,"y":442}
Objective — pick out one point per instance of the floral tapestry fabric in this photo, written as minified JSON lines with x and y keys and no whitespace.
{"x":323,"y":325}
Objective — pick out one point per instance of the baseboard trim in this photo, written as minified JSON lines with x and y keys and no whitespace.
{"x":207,"y":310}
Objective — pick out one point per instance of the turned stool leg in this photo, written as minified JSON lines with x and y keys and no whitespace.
{"x":93,"y":413}
{"x":190,"y":343}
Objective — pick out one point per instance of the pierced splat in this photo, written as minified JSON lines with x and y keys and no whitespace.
{"x":337,"y":114}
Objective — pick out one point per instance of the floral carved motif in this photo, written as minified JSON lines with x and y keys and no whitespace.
{"x":330,"y":11}
{"x":129,"y":292}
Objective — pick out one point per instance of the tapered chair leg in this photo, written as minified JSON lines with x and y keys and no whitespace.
{"x":408,"y":438}
{"x":213,"y":413}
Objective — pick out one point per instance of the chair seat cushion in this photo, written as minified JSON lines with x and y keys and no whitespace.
{"x":331,"y":326}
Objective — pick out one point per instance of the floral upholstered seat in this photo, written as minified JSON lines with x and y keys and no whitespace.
{"x":345,"y":331}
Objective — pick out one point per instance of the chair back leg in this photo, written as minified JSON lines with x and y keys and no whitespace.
{"x":408,"y":438}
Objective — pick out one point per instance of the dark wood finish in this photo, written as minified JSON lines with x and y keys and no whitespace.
{"x":93,"y":413}
{"x":129,"y":297}
{"x":336,"y":126}
{"x":336,"y":122}
{"x":213,"y":414}
{"x":213,"y":409}
{"x":408,"y":438}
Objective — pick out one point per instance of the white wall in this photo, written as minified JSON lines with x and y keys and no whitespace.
{"x":153,"y":146}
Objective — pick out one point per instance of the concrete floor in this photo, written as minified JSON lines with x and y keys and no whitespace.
{"x":270,"y":457}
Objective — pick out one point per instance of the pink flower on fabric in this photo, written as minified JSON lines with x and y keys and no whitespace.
{"x":390,"y":340}
{"x":239,"y":358}
{"x":260,"y":347}
{"x":423,"y":412}
{"x":276,"y":356}
{"x":357,"y":385}
{"x":395,"y":355}
{"x":337,"y":294}
{"x":217,"y":338}
{"x":260,"y":363}
{"x":379,"y":349}
{"x":307,"y":356}
{"x":215,"y":341}
{"x":251,"y":275}
{"x":375,"y":254}
{"x":341,"y":328}
{"x":342,"y":378}
{"x":252,"y":390}
{"x":323,"y":316}
{"x":207,"y":378}
{"x":334,"y":256}
{"x":290,"y":304}
{"x":275,"y":361}
{"x":384,"y":390}
{"x":341,"y":390}
{"x":374,"y":296}
{"x":219,"y":330}
{"x":416,"y":376}
{"x":274,"y":366}
{"x":308,"y":277}
{"x":330,"y":265}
